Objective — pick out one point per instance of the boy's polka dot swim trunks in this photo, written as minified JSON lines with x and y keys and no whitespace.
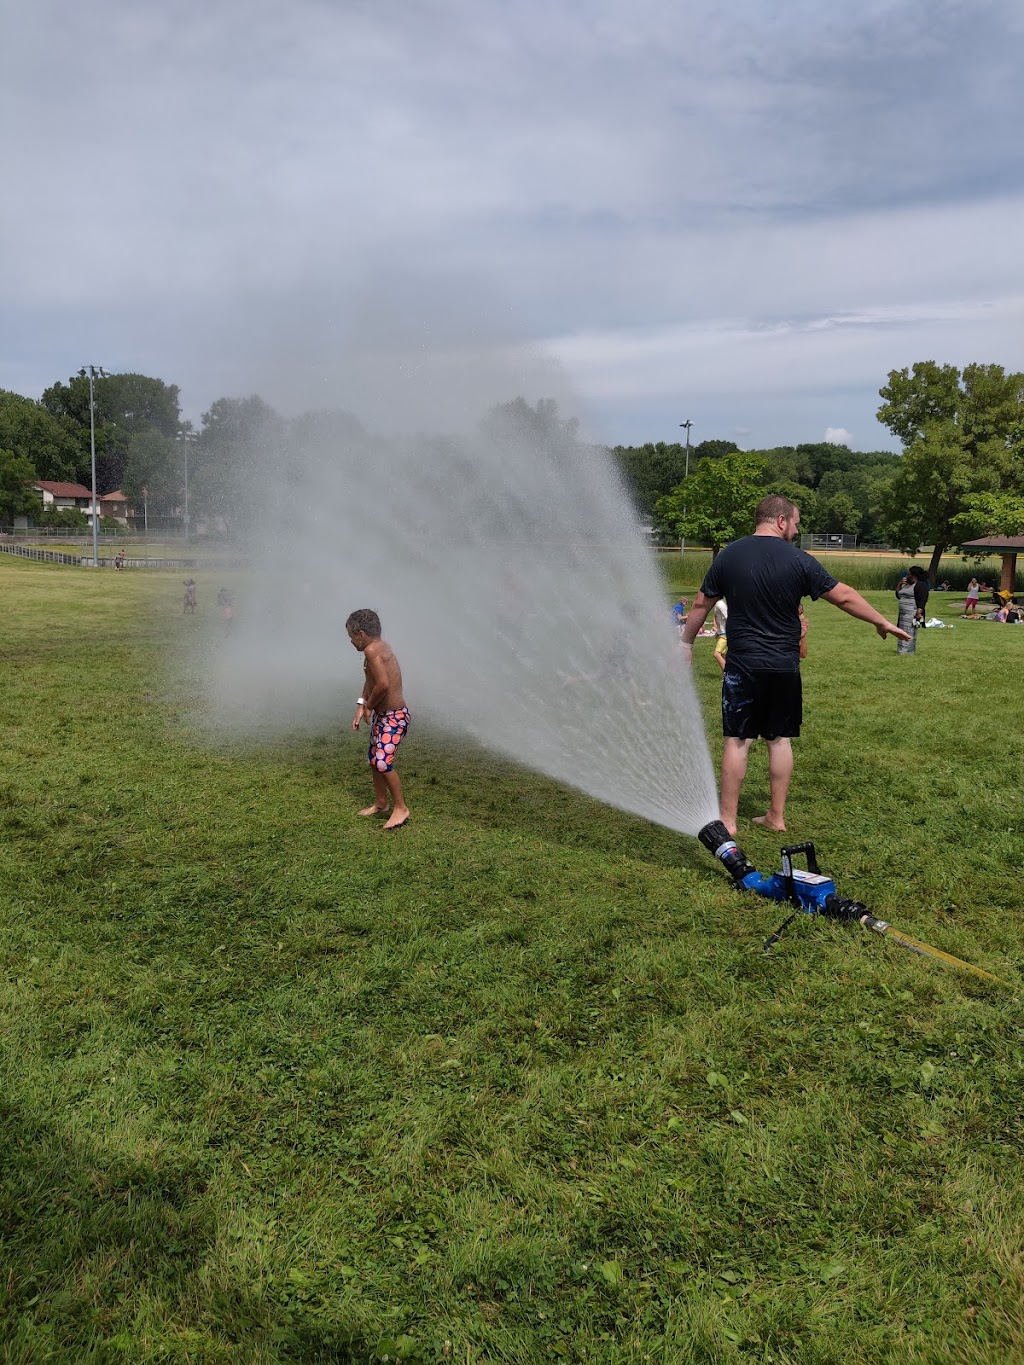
{"x":388,"y":731}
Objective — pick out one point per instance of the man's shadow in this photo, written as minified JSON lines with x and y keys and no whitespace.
{"x":88,"y":1233}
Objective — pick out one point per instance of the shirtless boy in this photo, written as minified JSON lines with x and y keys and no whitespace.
{"x":383,"y":708}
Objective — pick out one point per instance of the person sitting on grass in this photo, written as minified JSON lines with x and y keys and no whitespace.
{"x":383,"y":707}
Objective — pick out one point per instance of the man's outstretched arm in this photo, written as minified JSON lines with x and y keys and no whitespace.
{"x":849,"y":600}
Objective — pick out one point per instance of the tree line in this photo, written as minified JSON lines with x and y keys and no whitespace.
{"x":960,"y":474}
{"x":838,"y":489}
{"x":143,"y":447}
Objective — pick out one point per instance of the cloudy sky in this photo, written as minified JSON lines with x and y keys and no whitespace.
{"x":744,"y":214}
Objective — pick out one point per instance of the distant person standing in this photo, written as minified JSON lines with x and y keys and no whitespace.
{"x":119,"y":560}
{"x":189,"y":600}
{"x":382,"y":706}
{"x":764,"y":576}
{"x":971,"y":602}
{"x":226,"y":602}
{"x":911,"y":600}
{"x":679,"y":612}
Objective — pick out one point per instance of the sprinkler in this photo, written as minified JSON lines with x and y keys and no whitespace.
{"x":809,"y":890}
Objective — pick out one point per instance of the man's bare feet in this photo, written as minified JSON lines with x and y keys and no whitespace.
{"x":778,"y":825}
{"x":374,"y":810}
{"x":399,"y":818}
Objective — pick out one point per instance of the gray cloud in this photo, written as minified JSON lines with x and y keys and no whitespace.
{"x":228,"y":196}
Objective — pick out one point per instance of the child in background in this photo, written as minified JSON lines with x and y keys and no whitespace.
{"x":721,"y":619}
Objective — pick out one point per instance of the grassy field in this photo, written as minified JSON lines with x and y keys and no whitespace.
{"x":868,"y":572}
{"x":517,"y":1084}
{"x":151,"y":547}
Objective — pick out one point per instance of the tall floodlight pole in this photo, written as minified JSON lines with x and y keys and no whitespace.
{"x":92,"y":373}
{"x":185,"y":437}
{"x":686,"y":474}
{"x":186,"y":489}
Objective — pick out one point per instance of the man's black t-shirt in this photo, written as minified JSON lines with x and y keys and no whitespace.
{"x":763,"y":579}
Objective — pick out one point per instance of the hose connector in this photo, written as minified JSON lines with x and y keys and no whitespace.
{"x":841,"y":908}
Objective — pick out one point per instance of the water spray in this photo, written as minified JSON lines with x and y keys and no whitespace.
{"x":810,"y":892}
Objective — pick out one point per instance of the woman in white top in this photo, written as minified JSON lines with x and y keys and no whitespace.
{"x":973,"y":591}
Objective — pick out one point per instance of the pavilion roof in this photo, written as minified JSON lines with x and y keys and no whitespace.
{"x":1006,"y":545}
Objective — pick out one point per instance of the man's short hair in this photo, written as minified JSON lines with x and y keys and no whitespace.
{"x":774,"y":505}
{"x":365,"y":620}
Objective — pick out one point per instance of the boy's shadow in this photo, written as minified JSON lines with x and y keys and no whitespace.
{"x":495,"y":793}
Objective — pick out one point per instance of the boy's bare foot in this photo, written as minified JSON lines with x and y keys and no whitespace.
{"x":398,"y":819}
{"x":374,"y":810}
{"x":769,"y":823}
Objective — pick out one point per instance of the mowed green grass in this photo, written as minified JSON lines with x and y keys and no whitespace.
{"x":517,"y":1084}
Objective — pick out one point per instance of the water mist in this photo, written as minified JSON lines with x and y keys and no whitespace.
{"x":511,"y":579}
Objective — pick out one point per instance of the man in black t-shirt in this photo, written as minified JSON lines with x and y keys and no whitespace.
{"x":765,"y":576}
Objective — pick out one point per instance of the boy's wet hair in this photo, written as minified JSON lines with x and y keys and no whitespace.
{"x":365,"y":620}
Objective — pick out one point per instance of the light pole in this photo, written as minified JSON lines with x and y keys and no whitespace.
{"x":186,"y":489}
{"x":185,"y":437}
{"x":92,"y":373}
{"x":686,"y":474}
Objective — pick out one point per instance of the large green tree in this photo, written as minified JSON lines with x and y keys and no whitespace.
{"x":1000,"y":513}
{"x":991,"y":514}
{"x":650,"y":471}
{"x":712,"y":450}
{"x":238,"y":449}
{"x":28,"y":430}
{"x":716,"y":503}
{"x":154,"y":472}
{"x":959,"y":435}
{"x":16,"y":496}
{"x":126,"y":406}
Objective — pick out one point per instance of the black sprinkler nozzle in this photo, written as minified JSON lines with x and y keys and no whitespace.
{"x":713,"y":835}
{"x":717,"y":840}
